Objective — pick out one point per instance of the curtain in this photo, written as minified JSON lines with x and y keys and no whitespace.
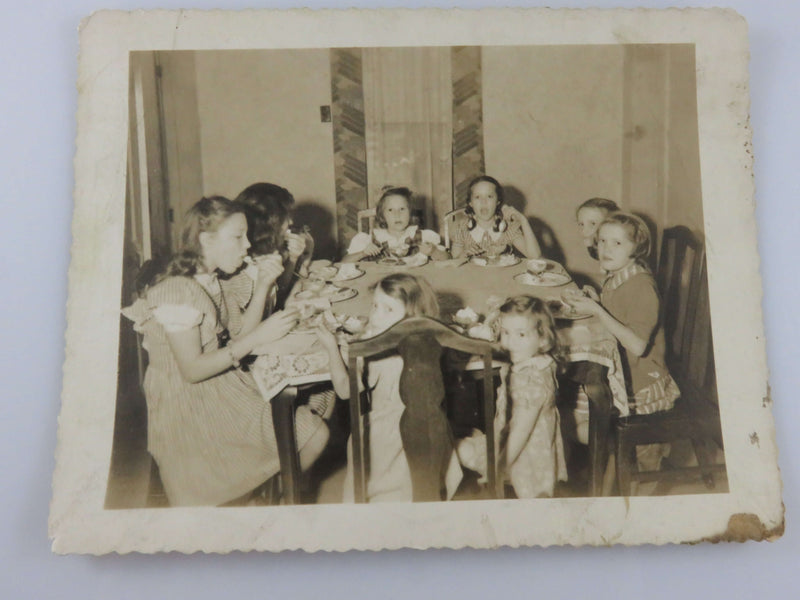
{"x":408,"y":106}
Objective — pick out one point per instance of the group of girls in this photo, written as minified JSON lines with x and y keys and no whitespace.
{"x":491,"y":226}
{"x":201,"y":313}
{"x":205,"y":310}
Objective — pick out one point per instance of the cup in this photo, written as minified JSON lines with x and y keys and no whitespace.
{"x":313,"y":284}
{"x":537,"y":266}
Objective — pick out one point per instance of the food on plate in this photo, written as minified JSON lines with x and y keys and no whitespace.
{"x":354,"y":324}
{"x":313,"y":284}
{"x":537,"y":266}
{"x":348,"y":271}
{"x":392,"y":261}
{"x":316,"y":265}
{"x":503,"y":260}
{"x":481,"y":332}
{"x":466,"y":317}
{"x":326,"y":273}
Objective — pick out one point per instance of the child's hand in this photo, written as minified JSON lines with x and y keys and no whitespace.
{"x":426,"y":248}
{"x":327,"y":339}
{"x":590,"y":292}
{"x":275,"y":326}
{"x":270,"y":268}
{"x":585,"y":304}
{"x":511,"y":214}
{"x":371,"y":250}
{"x":296,"y":244}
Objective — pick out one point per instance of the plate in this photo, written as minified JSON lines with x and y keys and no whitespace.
{"x":546,"y":279}
{"x":549,"y":265}
{"x":349,"y":273}
{"x":410,"y":261}
{"x":563,"y":312}
{"x":341,"y":294}
{"x":504,"y":260}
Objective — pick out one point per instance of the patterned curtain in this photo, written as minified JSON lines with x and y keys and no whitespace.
{"x":408,"y":111}
{"x":468,"y":161}
{"x":349,"y":150}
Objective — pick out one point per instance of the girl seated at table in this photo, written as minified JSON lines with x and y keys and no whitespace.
{"x":589,"y":216}
{"x":393,"y":235}
{"x":269,"y":220}
{"x":392,"y":467}
{"x":531,"y":449}
{"x":208,"y":427}
{"x":492,"y":227}
{"x":629,"y":307}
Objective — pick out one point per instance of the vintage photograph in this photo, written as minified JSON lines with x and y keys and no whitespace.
{"x":545,"y":193}
{"x":429,"y":280}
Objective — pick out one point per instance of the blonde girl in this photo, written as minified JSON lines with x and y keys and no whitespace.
{"x":404,"y":466}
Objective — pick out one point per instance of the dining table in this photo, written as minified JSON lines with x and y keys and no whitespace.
{"x":590,"y":351}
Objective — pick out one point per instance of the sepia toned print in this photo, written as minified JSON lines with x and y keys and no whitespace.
{"x":478,"y":288}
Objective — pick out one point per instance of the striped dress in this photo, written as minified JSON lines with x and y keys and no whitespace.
{"x":213,"y":440}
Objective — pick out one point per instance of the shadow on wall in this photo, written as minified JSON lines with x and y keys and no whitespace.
{"x":652,"y":259}
{"x":551,"y":248}
{"x":321,"y":222}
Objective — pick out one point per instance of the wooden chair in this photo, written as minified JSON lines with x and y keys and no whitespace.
{"x":451,"y":216}
{"x":366,"y":215}
{"x":690,"y":359}
{"x":419,"y":341}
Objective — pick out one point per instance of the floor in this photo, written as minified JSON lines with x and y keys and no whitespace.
{"x":324,"y":484}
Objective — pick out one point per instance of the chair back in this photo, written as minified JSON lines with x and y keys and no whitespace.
{"x":682,"y":281}
{"x":448,"y":219}
{"x":366,"y":217}
{"x":424,"y":330}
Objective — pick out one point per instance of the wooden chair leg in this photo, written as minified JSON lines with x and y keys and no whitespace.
{"x":283,"y":421}
{"x":704,"y":459}
{"x":626,"y":464}
{"x":599,"y":428}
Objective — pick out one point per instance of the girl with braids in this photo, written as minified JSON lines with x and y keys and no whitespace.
{"x":209,"y":429}
{"x":491,"y":225}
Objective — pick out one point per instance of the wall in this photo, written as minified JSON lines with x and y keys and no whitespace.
{"x":259,"y":114}
{"x":565,"y":123}
{"x":683,"y":195}
{"x":552,"y":133}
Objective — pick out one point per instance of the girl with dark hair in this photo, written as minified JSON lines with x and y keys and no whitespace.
{"x":394,"y":235}
{"x":209,"y":429}
{"x":491,"y":226}
{"x":268,"y":209}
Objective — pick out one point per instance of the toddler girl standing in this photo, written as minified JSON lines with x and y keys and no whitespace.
{"x":531,"y":449}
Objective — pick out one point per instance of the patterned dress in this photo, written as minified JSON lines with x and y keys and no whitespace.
{"x":631,"y":297}
{"x":532,"y":386}
{"x":406,"y":245}
{"x":492,"y":242}
{"x":213,"y":440}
